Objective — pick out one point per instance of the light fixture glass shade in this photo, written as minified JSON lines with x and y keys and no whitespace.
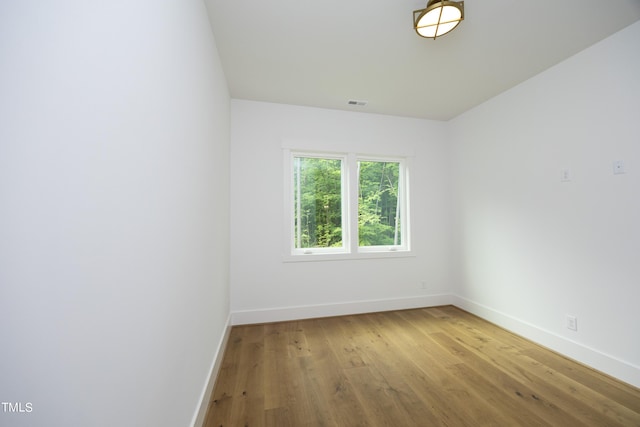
{"x":438,"y":18}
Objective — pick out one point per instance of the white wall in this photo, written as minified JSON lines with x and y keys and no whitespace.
{"x":114,"y":139}
{"x":262,"y":284}
{"x":530,"y":248}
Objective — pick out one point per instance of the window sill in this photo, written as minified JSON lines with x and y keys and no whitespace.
{"x":346,"y":256}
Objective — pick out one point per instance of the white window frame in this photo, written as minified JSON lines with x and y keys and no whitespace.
{"x":403,"y":205}
{"x":344,"y":206}
{"x":350,"y":248}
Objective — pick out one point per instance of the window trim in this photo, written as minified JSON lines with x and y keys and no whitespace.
{"x":403,"y":194}
{"x":344,"y":195}
{"x":350,"y":248}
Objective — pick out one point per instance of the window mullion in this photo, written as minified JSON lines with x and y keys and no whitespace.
{"x":352,"y":200}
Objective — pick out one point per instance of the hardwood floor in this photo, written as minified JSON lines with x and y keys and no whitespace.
{"x":425,"y":367}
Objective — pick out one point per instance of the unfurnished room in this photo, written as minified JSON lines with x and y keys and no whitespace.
{"x":341,"y":213}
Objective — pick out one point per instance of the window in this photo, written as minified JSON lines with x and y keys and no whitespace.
{"x":346,"y":204}
{"x":317,"y":207}
{"x":379,"y":204}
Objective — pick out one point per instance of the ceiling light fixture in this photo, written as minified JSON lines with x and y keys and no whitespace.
{"x":438,"y":18}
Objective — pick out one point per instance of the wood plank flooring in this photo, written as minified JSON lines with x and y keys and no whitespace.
{"x":426,"y":367}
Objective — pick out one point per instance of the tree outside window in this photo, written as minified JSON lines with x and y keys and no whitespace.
{"x":379,"y":204}
{"x":328,"y":190}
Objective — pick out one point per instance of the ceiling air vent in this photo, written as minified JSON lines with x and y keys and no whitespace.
{"x":358,"y":103}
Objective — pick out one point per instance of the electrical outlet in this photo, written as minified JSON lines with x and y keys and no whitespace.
{"x":565,"y":175}
{"x":572,"y":322}
{"x":423,"y":285}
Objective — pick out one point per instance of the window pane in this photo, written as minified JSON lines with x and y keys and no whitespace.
{"x":317,"y":202}
{"x":378,"y":204}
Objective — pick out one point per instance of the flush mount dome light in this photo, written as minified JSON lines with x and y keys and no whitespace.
{"x":438,"y":18}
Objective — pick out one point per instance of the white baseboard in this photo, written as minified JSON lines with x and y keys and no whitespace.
{"x":598,"y":360}
{"x":205,"y":396}
{"x":327,"y":310}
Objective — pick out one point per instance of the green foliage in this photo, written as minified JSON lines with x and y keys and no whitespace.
{"x":318,"y":204}
{"x":378,"y":221}
{"x":318,"y":209}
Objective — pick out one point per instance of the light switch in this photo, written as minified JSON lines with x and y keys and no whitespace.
{"x":618,"y":167}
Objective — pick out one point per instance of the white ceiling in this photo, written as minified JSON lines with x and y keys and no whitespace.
{"x":324,"y":53}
